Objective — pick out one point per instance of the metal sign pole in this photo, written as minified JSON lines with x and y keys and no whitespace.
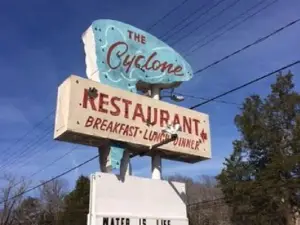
{"x":156,"y":159}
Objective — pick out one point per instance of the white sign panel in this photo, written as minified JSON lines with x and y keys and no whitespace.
{"x":89,"y":112}
{"x":136,"y":201}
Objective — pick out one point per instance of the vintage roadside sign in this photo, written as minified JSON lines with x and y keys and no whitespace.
{"x":134,"y":202}
{"x":89,"y":113}
{"x":123,"y":56}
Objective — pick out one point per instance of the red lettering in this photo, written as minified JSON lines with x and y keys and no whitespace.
{"x":127,"y":103}
{"x":136,"y":130}
{"x":89,"y":121}
{"x":126,"y":130}
{"x":128,"y":61}
{"x":164,"y":117}
{"x":187,"y":125}
{"x":175,"y":142}
{"x":192,"y":144}
{"x":165,"y":66}
{"x":109,"y":127}
{"x":103,"y":125}
{"x":86,"y":99}
{"x":188,"y":143}
{"x":146,"y":65}
{"x":138,"y":112}
{"x":183,"y":142}
{"x":121,"y":128}
{"x":115,"y":130}
{"x":143,"y":41}
{"x":117,"y":110}
{"x":97,"y":122}
{"x":196,"y":122}
{"x":137,"y":37}
{"x":130,"y":34}
{"x":176,"y":70}
{"x":155,"y":65}
{"x":176,"y":119}
{"x":138,"y":58}
{"x":102,"y":102}
{"x":119,"y":54}
{"x":145,"y":134}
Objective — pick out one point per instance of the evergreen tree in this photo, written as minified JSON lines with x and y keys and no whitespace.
{"x":261,"y":178}
{"x":77,"y":203}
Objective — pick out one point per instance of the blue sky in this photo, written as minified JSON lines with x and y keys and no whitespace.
{"x":40,"y":46}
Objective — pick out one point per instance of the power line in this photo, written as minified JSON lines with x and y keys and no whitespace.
{"x":52,"y":112}
{"x":185,"y":19}
{"x":41,"y":139}
{"x":246,"y":84}
{"x":198,"y":17}
{"x":197,"y":97}
{"x":230,"y":28}
{"x":206,"y":22}
{"x":249,"y":45}
{"x":29,"y":131}
{"x":25,"y":160}
{"x":202,"y":98}
{"x":48,"y":181}
{"x":50,"y":164}
{"x":167,"y":14}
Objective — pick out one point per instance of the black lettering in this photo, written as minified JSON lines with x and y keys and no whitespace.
{"x":117,"y":219}
{"x":144,"y":222}
{"x":122,"y":221}
{"x":112,"y":222}
{"x":127,"y":221}
{"x":105,"y":221}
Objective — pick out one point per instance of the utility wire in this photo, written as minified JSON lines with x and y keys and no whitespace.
{"x":249,"y":45}
{"x":197,"y":97}
{"x":204,"y":23}
{"x":52,"y":112}
{"x":28,"y":132}
{"x":191,"y":50}
{"x":202,"y":98}
{"x":185,"y":19}
{"x":48,"y":181}
{"x":167,"y":14}
{"x":22,"y":162}
{"x":198,"y":17}
{"x":41,"y":139}
{"x":50,"y":164}
{"x":246,"y":84}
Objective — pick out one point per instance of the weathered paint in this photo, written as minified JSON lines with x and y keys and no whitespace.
{"x":120,"y":55}
{"x":118,"y":115}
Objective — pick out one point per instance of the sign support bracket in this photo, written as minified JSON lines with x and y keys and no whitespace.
{"x":156,"y":158}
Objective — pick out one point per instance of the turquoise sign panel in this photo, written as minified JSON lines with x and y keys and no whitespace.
{"x":120,"y":55}
{"x":124,"y":55}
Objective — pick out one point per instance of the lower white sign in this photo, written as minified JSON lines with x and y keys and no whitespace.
{"x":137,"y":221}
{"x":135,"y":201}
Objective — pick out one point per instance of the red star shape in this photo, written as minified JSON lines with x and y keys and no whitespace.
{"x":203,"y":135}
